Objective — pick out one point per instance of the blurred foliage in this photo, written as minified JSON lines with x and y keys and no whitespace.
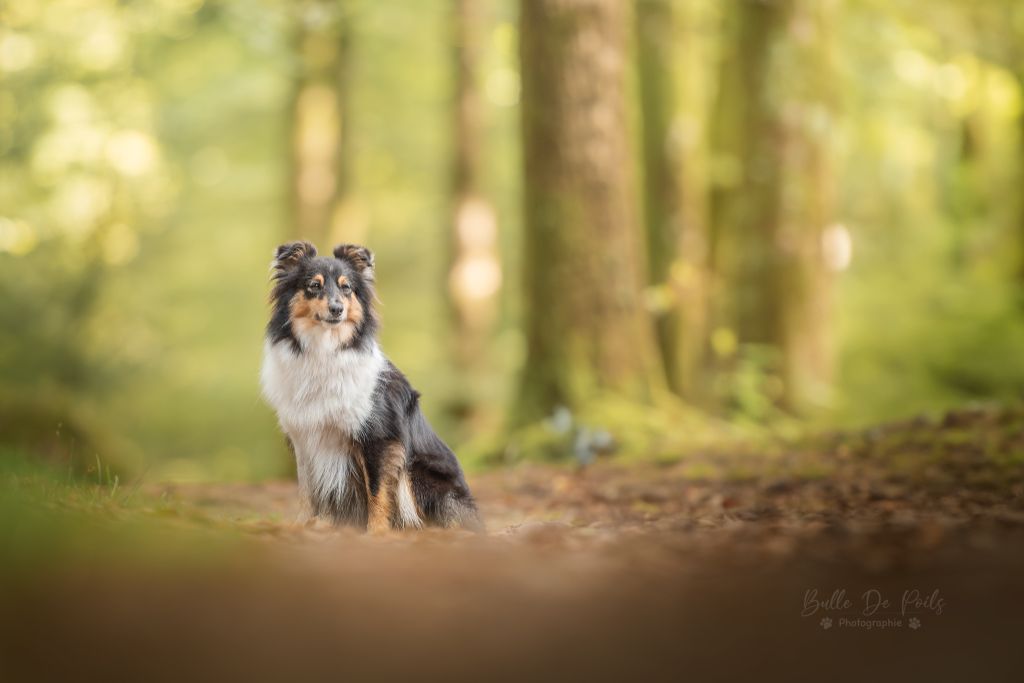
{"x":143,"y":162}
{"x":143,"y":158}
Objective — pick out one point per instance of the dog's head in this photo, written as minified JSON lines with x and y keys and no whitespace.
{"x":329,"y":298}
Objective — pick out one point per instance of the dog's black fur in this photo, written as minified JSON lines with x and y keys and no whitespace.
{"x":437,"y":482}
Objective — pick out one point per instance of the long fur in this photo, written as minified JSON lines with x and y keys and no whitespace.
{"x":364,"y":450}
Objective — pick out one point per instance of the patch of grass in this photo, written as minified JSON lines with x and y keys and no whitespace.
{"x":49,"y":517}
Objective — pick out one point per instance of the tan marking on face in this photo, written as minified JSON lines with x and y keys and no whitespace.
{"x":304,"y":312}
{"x":355,"y":310}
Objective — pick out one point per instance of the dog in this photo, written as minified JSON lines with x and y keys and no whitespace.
{"x":365,"y":454}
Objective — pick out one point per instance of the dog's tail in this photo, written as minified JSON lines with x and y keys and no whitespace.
{"x":443,"y":497}
{"x":438,"y":483}
{"x":458,"y":511}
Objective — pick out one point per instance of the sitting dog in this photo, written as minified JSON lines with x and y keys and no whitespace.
{"x":366,"y":455}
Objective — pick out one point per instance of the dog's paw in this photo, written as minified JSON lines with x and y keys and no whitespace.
{"x":379,"y":528}
{"x":305,"y":523}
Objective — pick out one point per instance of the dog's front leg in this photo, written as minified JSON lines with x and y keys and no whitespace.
{"x":385,"y":466}
{"x":302,"y":467}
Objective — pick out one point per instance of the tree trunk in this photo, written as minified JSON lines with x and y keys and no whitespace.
{"x":474,"y":276}
{"x":675,"y":239}
{"x":1020,"y":198}
{"x":586,"y":329}
{"x":318,"y":136}
{"x":773,"y":200}
{"x":319,"y":127}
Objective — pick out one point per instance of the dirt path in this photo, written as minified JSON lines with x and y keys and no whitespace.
{"x":611,"y":573}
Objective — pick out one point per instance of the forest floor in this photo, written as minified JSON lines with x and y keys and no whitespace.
{"x":891,"y":554}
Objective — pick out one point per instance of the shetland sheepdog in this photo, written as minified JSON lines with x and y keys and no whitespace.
{"x":365,"y":454}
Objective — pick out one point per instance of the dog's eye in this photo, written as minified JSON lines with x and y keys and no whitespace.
{"x":346,"y":289}
{"x":315,"y":284}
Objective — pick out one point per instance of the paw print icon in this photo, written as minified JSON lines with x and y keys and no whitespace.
{"x":914,"y":623}
{"x":826,"y":623}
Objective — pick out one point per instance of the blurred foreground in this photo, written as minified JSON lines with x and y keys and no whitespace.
{"x":700,"y":568}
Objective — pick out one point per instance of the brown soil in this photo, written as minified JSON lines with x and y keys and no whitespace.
{"x":610,"y":573}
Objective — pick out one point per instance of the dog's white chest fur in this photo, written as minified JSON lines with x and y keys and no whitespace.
{"x":323,"y":396}
{"x":322,"y":386}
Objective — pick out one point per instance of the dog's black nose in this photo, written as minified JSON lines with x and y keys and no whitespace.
{"x":336,"y":309}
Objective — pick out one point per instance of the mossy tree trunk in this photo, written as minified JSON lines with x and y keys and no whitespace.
{"x":674,"y":232}
{"x":1020,"y":197}
{"x":318,"y":136}
{"x":772,"y":203}
{"x":474,"y":275}
{"x":586,"y":328}
{"x":319,"y":139}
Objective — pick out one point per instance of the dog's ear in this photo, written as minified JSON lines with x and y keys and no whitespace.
{"x":290,"y":255}
{"x":361,"y":258}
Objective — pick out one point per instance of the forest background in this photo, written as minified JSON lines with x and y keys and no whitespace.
{"x":599,"y":226}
